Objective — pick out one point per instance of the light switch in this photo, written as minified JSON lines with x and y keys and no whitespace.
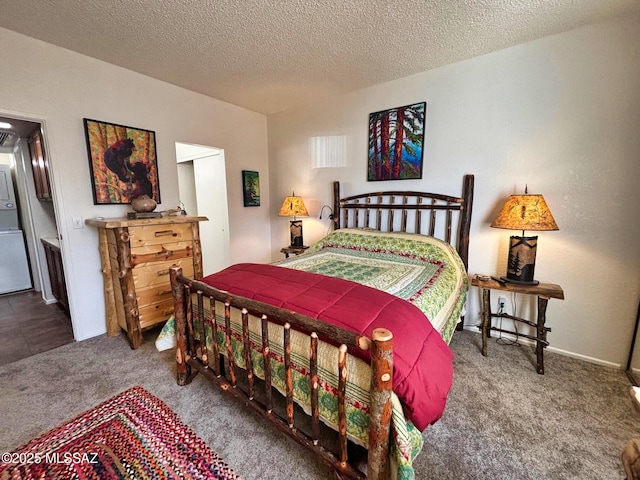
{"x":77,"y":223}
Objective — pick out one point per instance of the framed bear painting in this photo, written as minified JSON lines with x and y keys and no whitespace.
{"x":123,"y":162}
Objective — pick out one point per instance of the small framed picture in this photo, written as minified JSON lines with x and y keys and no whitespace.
{"x":251,"y":188}
{"x":123,"y":162}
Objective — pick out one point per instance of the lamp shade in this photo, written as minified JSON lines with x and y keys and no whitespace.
{"x":525,"y":212}
{"x":293,"y":206}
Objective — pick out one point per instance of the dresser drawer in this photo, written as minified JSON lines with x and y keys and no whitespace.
{"x":155,"y":294}
{"x":150,"y":315}
{"x":159,"y":234}
{"x":160,"y":252}
{"x":148,"y":275}
{"x":155,"y":313}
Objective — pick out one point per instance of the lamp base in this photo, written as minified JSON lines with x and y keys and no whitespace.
{"x":296,"y":233}
{"x":522,"y":260}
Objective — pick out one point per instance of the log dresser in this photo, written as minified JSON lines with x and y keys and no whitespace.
{"x":136,"y":255}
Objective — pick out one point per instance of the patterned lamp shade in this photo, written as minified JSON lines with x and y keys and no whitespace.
{"x":293,"y":206}
{"x":524,"y":212}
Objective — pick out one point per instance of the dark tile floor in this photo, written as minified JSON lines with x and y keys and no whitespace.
{"x":28,"y":326}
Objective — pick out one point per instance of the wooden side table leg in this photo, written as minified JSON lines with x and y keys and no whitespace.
{"x":486,"y":319}
{"x":541,"y":333}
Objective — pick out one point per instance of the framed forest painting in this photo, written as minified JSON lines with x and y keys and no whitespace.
{"x":396,"y":141}
{"x":123,"y":162}
{"x":251,"y":188}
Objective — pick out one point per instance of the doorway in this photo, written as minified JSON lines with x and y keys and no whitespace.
{"x":36,"y":218}
{"x":29,"y":317}
{"x":202,"y":188}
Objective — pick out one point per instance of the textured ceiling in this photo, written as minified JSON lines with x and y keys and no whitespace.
{"x":272,"y":55}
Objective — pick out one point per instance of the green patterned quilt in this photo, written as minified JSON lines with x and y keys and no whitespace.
{"x":423,"y":270}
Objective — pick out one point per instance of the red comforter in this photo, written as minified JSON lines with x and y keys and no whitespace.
{"x":423,"y":369}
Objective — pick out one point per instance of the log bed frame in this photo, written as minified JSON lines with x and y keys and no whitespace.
{"x":366,"y":210}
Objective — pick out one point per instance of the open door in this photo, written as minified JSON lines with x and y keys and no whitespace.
{"x":203,"y":191}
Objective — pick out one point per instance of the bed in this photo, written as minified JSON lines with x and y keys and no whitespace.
{"x":343,"y":348}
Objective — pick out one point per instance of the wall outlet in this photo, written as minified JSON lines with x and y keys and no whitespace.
{"x":502,"y":302}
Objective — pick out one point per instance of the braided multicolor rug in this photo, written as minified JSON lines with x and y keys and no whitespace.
{"x":133,"y":435}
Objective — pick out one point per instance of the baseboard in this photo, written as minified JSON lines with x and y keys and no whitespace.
{"x":566,"y":353}
{"x":585,"y":358}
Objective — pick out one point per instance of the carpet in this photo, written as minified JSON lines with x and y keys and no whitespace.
{"x":133,"y":435}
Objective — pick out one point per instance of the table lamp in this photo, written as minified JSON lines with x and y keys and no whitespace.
{"x":524,"y":212}
{"x":293,"y":206}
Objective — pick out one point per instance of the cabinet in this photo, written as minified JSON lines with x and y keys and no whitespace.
{"x":56,"y":272}
{"x":40,"y":166}
{"x":136,"y":256}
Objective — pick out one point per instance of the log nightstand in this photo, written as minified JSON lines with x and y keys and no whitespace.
{"x":544,"y":291}
{"x":294,"y":250}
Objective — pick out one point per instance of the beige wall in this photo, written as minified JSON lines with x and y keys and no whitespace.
{"x":560,"y":115}
{"x":43,"y":82}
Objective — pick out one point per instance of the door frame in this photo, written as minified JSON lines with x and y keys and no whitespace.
{"x":34,"y":247}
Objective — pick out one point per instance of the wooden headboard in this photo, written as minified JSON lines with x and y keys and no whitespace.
{"x":442,"y":216}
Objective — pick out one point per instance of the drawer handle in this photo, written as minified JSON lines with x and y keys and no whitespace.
{"x":165,"y":233}
{"x":163,"y":292}
{"x":164,"y":253}
{"x":163,"y":272}
{"x":168,"y":311}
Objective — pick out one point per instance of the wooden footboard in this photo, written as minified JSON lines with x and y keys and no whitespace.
{"x":193,"y":356}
